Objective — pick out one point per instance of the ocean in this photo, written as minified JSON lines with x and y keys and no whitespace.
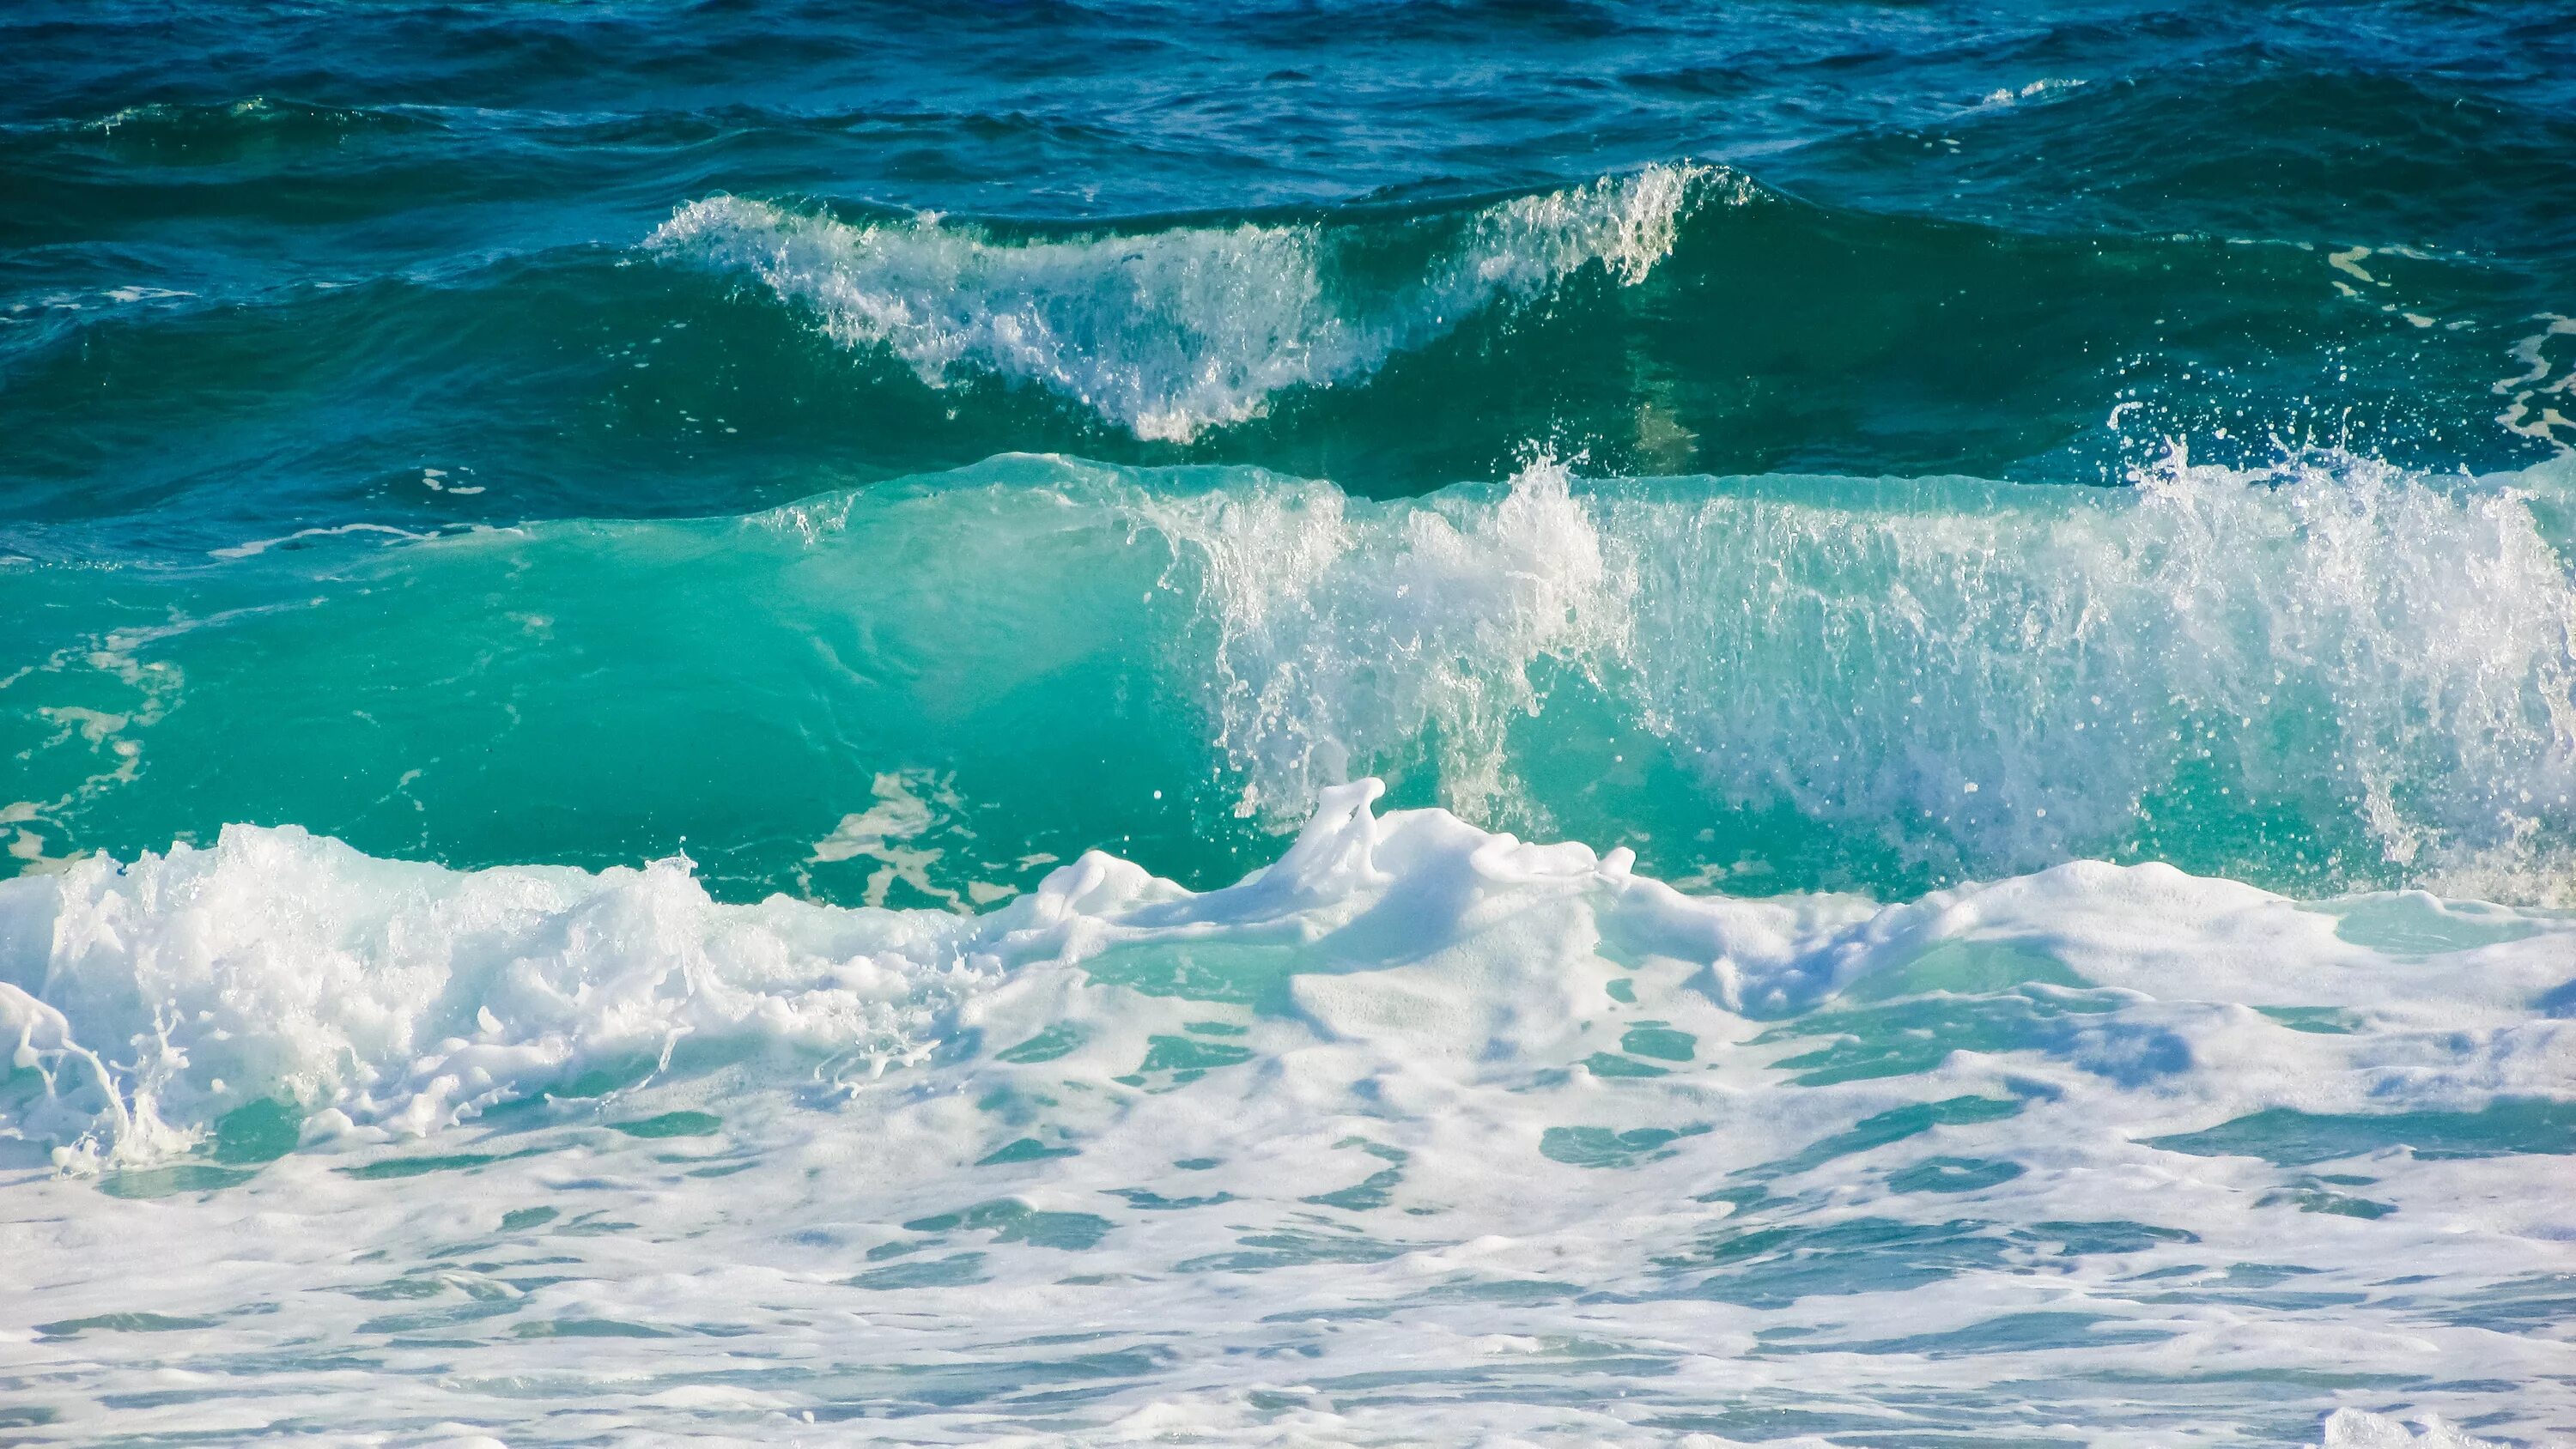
{"x":1288,"y":722}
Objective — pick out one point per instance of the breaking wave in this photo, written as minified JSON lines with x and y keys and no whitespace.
{"x":1168,"y":333}
{"x":2366,"y":674}
{"x":2326,"y":674}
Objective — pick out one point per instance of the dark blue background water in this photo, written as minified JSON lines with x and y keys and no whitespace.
{"x":404,"y":234}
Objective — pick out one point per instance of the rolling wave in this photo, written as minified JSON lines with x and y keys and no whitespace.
{"x":2324,"y":675}
{"x":1676,"y":321}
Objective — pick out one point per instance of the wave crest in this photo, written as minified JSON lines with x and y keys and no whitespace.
{"x":402,"y":996}
{"x":1169,"y":333}
{"x":2376,"y":667}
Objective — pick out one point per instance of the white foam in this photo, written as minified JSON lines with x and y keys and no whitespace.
{"x":2044,"y":87}
{"x":2360,"y":1429}
{"x":2528,"y":410}
{"x":259,"y":546}
{"x":1405,"y":1191}
{"x":405,"y":996}
{"x":1168,"y":333}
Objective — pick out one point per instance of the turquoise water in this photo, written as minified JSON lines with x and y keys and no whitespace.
{"x":764,"y":634}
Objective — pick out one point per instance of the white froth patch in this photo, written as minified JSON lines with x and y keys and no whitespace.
{"x":2359,"y":1429}
{"x":2044,"y":87}
{"x":1422,"y":1133}
{"x":279,"y":965}
{"x":1169,"y":333}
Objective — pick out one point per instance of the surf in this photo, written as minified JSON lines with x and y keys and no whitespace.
{"x":1168,"y":333}
{"x":1512,"y":1107}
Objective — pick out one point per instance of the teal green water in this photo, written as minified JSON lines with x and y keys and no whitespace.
{"x":934,"y":692}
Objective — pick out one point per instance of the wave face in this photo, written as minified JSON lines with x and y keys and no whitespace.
{"x":1511,"y":1115}
{"x":2326,"y":676}
{"x":1169,"y":333}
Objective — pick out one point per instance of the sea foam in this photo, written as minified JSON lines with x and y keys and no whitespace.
{"x":1411,"y":1134}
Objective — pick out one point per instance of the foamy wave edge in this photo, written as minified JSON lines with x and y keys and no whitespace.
{"x":385,"y":1000}
{"x":1169,"y":333}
